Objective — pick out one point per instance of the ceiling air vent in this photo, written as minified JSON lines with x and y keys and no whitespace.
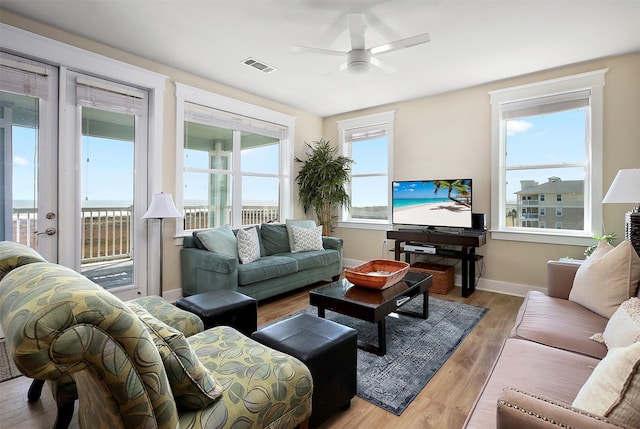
{"x":259,"y":65}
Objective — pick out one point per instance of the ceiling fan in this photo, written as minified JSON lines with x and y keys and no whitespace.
{"x":359,"y":58}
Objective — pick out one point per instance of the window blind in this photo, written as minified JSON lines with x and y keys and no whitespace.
{"x":544,"y":105}
{"x":366,"y":133}
{"x":220,"y":118}
{"x":109,"y":96}
{"x":24,"y":78}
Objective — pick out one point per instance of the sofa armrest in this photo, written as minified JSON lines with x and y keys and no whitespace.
{"x":517,"y":409}
{"x":332,"y":242}
{"x":204,"y":271}
{"x":560,"y":277}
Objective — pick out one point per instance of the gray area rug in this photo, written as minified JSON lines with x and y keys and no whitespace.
{"x":416,"y":349}
{"x":8,"y":369}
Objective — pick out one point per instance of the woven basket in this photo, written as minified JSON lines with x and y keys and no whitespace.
{"x":377,"y":274}
{"x":442,"y":281}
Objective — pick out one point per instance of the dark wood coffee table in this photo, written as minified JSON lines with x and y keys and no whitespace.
{"x":373,"y":305}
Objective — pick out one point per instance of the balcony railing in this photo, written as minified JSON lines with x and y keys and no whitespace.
{"x":107,"y":231}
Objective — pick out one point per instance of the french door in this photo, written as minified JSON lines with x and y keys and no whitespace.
{"x":103,"y":161}
{"x":75,"y":181}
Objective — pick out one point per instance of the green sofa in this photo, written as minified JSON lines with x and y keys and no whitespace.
{"x":130,"y":369}
{"x":278,"y":270}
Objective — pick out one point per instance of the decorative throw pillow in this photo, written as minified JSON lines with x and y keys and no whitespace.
{"x":248,"y":245}
{"x":219,"y":240}
{"x":192,"y":384}
{"x":623,"y":329}
{"x":299,"y":223}
{"x":613,"y":389}
{"x":305,"y":239}
{"x":607,"y":278}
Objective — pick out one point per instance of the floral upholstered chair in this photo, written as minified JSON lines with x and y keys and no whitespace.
{"x":131,"y":370}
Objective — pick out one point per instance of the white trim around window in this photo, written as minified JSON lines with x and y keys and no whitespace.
{"x":189,"y":94}
{"x":365,"y":127}
{"x":552,"y":90}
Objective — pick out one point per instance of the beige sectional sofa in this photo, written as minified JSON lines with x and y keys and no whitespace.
{"x":549,"y":357}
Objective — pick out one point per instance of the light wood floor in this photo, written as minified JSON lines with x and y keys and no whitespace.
{"x":444,"y":403}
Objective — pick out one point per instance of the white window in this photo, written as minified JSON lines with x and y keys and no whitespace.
{"x":234,"y":161}
{"x":368,"y":141}
{"x":547,"y":139}
{"x":558,"y":211}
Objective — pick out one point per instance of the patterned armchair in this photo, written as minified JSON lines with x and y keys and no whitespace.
{"x":131,"y":370}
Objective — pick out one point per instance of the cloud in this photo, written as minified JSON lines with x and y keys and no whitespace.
{"x":514,"y":127}
{"x":18,"y":160}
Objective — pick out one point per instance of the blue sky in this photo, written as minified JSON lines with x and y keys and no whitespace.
{"x":557,"y":138}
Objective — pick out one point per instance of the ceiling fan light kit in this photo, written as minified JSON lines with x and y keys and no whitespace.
{"x":359,"y":59}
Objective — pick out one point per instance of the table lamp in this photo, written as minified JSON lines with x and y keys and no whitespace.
{"x":625,"y":189}
{"x":161,"y":207}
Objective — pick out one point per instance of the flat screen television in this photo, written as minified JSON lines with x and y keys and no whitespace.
{"x":432,"y":203}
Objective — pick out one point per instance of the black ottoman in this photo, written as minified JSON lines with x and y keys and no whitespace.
{"x":328,"y":349}
{"x":223,"y":307}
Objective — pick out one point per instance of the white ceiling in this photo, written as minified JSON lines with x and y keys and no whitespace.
{"x":472,"y":41}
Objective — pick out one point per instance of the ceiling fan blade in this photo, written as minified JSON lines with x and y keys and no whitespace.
{"x":356,"y":30}
{"x":382,"y":65}
{"x":401,"y":44}
{"x":296,"y":48}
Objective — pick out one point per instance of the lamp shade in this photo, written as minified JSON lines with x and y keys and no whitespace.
{"x":625,"y":187}
{"x":162,"y":207}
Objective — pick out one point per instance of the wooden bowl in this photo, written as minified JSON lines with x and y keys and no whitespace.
{"x":377,"y":274}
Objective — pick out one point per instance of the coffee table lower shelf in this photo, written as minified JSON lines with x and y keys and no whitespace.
{"x":373,"y":305}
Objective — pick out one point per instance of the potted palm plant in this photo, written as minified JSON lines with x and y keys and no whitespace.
{"x":321,"y":182}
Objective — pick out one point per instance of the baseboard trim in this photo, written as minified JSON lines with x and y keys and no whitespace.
{"x":497,"y":286}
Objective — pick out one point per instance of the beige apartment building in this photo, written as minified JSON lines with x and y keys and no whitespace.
{"x":556,"y":204}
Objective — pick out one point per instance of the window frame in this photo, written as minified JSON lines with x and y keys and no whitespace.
{"x":367,"y":121}
{"x":593,"y":81}
{"x":188,"y":94}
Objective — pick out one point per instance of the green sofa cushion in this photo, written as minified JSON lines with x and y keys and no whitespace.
{"x":274,"y":238}
{"x":265,"y":268}
{"x":315,"y":258}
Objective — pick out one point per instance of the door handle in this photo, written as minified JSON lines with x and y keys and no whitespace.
{"x":48,"y":231}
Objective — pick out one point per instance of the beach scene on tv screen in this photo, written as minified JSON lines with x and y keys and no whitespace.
{"x":432,"y":203}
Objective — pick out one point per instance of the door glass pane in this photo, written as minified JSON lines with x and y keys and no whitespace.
{"x":108,"y":140}
{"x":19,"y":118}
